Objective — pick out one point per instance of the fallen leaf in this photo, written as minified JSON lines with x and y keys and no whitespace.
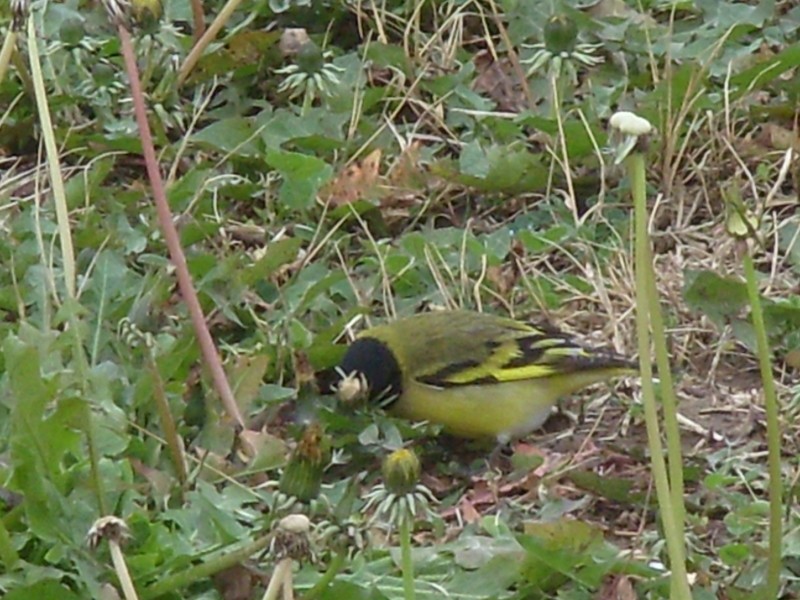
{"x":618,"y":587}
{"x":605,"y":9}
{"x":468,"y":511}
{"x":160,"y":482}
{"x":237,"y":582}
{"x":775,"y":137}
{"x":504,"y":278}
{"x":109,"y":592}
{"x":498,"y":81}
{"x":405,"y":172}
{"x":357,"y":182}
{"x":260,"y":450}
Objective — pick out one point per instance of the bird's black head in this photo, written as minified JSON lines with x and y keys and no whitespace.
{"x":372,"y":359}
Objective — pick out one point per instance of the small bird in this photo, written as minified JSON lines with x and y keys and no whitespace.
{"x":475,"y":374}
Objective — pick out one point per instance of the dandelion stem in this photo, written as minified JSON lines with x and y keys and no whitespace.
{"x":406,"y":562}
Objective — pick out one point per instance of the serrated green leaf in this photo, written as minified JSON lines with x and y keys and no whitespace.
{"x":720,"y":298}
{"x":278,"y":254}
{"x":234,"y":135}
{"x":303,"y":175}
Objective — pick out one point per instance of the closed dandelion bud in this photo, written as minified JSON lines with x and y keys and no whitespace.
{"x":560,"y":35}
{"x":401,"y":471}
{"x":302,"y":477}
{"x":147,"y":11}
{"x":310,"y":58}
{"x":71,"y":31}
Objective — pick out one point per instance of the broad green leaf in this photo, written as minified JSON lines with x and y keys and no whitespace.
{"x":558,"y":551}
{"x":721,"y":298}
{"x":764,"y":72}
{"x":234,"y":135}
{"x":277,"y":254}
{"x":510,"y":170}
{"x":724,"y":14}
{"x":245,"y":376}
{"x":735,"y":553}
{"x":303,"y":175}
{"x":48,"y":589}
{"x":81,"y":188}
{"x":613,"y":488}
{"x":317,"y":128}
{"x":473,"y":160}
{"x":352,"y":591}
{"x":492,"y":579}
{"x":578,"y":139}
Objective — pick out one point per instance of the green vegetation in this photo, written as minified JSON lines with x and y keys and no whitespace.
{"x":331,"y":164}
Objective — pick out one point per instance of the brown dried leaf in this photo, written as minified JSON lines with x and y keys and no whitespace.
{"x":498,"y":80}
{"x":356,"y":182}
{"x":504,"y":278}
{"x":618,"y":587}
{"x":468,"y":511}
{"x":236,"y":582}
{"x":370,"y":168}
{"x":405,"y":173}
{"x":109,"y":592}
{"x":160,"y":482}
{"x":605,"y":9}
{"x":406,"y":182}
{"x":259,"y":448}
{"x":779,"y":138}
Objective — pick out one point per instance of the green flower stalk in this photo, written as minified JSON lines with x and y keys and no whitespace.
{"x":398,"y":500}
{"x":669,"y":487}
{"x":290,"y":543}
{"x":115,"y":531}
{"x":743,"y":226}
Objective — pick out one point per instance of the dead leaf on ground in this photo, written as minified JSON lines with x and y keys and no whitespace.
{"x":237,"y":582}
{"x":618,"y":587}
{"x":498,"y":80}
{"x":406,"y":172}
{"x":358,"y":181}
{"x":504,"y":278}
{"x":260,"y":449}
{"x":775,"y":137}
{"x":604,"y":9}
{"x":469,"y":513}
{"x":160,"y":483}
{"x":246,"y":375}
{"x":406,"y":181}
{"x":109,"y":592}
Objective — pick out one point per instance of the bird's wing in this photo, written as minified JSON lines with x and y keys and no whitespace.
{"x":519,"y":355}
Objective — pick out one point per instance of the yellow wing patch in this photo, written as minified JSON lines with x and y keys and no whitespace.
{"x":529,"y":356}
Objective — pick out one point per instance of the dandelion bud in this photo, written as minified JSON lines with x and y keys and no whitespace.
{"x":560,"y":35}
{"x":401,"y":471}
{"x":302,"y":477}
